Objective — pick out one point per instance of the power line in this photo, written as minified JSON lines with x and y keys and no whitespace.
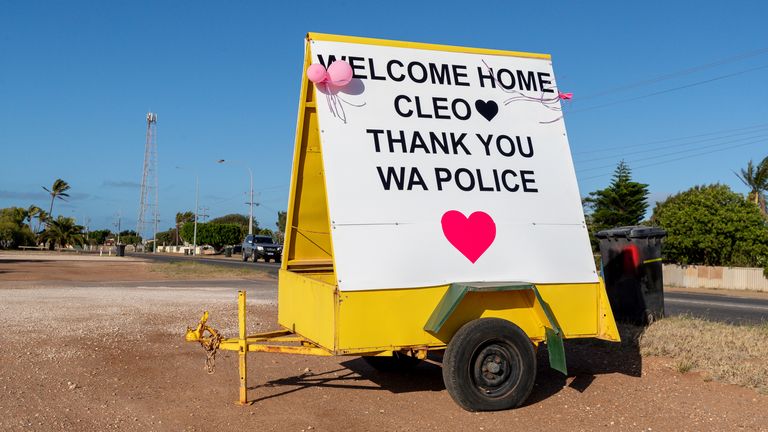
{"x":667,"y":140}
{"x":681,"y":158}
{"x":223,"y":200}
{"x":648,"y":150}
{"x":203,"y":213}
{"x":285,"y":186}
{"x":673,"y":89}
{"x":237,"y":196}
{"x":670,"y":154}
{"x":676,"y":74}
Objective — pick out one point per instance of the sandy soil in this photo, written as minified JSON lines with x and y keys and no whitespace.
{"x":91,"y":358}
{"x":27,"y":269}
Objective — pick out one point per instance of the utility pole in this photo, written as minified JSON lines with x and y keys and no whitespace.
{"x":117,"y":224}
{"x":197,"y":207}
{"x":203,"y":213}
{"x":87,"y":231}
{"x":250,"y":203}
{"x":197,"y":195}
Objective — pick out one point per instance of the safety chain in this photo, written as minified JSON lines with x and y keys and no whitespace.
{"x":211,"y":345}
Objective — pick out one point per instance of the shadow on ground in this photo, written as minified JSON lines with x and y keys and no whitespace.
{"x":19,"y":261}
{"x":12,"y":262}
{"x":586,"y":359}
{"x":357,"y":374}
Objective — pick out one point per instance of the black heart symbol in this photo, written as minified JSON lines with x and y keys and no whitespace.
{"x":487,"y":109}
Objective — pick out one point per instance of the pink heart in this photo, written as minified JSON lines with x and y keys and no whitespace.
{"x":472,"y":236}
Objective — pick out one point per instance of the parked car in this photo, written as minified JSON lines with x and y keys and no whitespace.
{"x":261,"y":247}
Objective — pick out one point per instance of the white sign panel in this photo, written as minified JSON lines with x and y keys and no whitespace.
{"x":447,"y":167}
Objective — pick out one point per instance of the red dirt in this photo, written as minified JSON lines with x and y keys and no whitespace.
{"x":97,"y":358}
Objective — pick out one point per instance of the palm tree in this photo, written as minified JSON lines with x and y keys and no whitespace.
{"x":58,"y":190}
{"x":63,"y":231}
{"x":755,"y":177}
{"x":42,"y":218}
{"x":33,"y":212}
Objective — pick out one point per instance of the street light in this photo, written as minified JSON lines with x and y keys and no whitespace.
{"x":197,"y":196}
{"x":118,"y":223}
{"x":250,"y":215}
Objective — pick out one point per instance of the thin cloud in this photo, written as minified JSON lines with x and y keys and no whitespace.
{"x":4,"y":194}
{"x":79,"y":196}
{"x":125,"y":184}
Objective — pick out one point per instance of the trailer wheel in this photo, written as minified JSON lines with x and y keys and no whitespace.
{"x":398,"y":362}
{"x":489,"y":365}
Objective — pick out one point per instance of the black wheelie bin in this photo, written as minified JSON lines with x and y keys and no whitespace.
{"x":632,"y":271}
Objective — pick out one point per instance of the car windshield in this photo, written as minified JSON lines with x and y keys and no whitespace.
{"x":262,"y":239}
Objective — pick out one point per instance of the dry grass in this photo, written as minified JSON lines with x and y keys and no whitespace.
{"x":722,"y":352}
{"x":194,"y":270}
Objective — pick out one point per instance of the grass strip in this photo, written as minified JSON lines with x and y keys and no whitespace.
{"x":195,"y":270}
{"x":729,"y":353}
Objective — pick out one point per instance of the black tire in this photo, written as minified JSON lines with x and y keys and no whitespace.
{"x":278,"y":259}
{"x":489,"y":365}
{"x":398,"y":362}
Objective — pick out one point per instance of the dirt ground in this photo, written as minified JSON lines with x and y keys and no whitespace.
{"x":37,"y":268}
{"x":83,"y":353}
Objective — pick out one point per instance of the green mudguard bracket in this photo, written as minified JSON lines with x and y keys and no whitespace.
{"x":457,"y":291}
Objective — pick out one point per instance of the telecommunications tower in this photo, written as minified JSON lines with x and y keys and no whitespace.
{"x":148,"y":210}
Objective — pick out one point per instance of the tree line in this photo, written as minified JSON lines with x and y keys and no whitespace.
{"x":706,"y":224}
{"x":222,"y":231}
{"x":33,"y":226}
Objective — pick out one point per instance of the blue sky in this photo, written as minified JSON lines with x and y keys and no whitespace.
{"x":678,"y":89}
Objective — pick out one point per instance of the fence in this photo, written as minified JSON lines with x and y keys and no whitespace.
{"x":184,"y":250}
{"x":735,"y":278}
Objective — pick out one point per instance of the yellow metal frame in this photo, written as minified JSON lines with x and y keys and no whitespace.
{"x":307,"y":237}
{"x":363,"y":322}
{"x":422,"y":46}
{"x":319,"y":319}
{"x":308,"y":242}
{"x":280,"y":341}
{"x":522,"y":307}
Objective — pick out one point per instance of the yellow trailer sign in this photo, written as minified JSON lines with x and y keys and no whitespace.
{"x":433,"y":207}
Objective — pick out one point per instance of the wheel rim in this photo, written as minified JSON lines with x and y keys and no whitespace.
{"x":495,"y":369}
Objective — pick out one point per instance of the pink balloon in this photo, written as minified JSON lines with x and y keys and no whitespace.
{"x":340,"y":73}
{"x":316,"y":73}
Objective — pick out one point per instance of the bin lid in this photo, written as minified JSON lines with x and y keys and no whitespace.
{"x":632,"y":232}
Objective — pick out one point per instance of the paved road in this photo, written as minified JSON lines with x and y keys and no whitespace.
{"x":269,"y":267}
{"x":734,"y":310}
